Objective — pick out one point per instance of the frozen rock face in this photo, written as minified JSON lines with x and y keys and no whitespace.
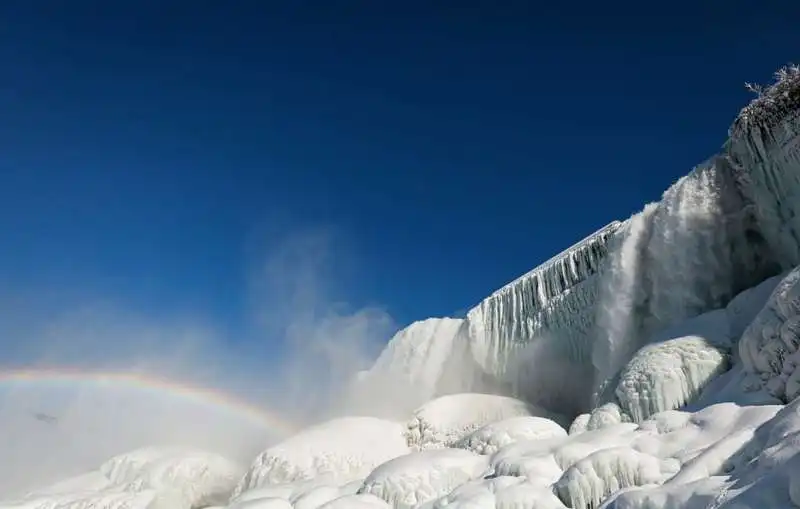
{"x":765,"y":144}
{"x":446,"y":420}
{"x":334,"y":452}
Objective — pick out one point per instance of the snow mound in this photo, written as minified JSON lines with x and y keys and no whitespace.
{"x":153,"y":478}
{"x":423,"y":476}
{"x":667,"y":375}
{"x":490,"y":438}
{"x":361,"y":501}
{"x":604,"y":416}
{"x":446,"y":420}
{"x":261,"y":503}
{"x":201,"y":477}
{"x":477,"y":493}
{"x":316,"y":497}
{"x":589,"y":481}
{"x":334,"y":452}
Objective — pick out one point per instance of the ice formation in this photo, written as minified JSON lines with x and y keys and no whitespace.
{"x":423,"y":476}
{"x":496,"y":435}
{"x":769,"y":347}
{"x":448,"y":419}
{"x":630,"y":333}
{"x":408,"y":370}
{"x":667,"y":375}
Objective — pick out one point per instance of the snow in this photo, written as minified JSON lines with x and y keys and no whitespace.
{"x":153,"y":477}
{"x":668,"y":375}
{"x":423,"y":476}
{"x":446,"y":420}
{"x":408,"y":371}
{"x":669,"y":342}
{"x":337,"y":451}
{"x":496,"y":435}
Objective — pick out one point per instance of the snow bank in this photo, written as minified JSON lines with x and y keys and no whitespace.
{"x":334,"y":452}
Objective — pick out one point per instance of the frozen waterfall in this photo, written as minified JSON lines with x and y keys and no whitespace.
{"x":728,"y":225}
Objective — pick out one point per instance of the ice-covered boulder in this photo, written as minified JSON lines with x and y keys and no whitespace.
{"x":423,"y":476}
{"x":591,"y":480}
{"x":490,"y":438}
{"x":544,"y":461}
{"x":334,"y":452}
{"x":606,"y":415}
{"x":446,"y":420}
{"x":667,"y":375}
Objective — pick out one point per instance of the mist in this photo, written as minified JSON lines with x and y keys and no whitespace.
{"x":304,"y":345}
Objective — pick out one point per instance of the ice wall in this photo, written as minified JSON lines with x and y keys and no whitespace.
{"x":765,"y":145}
{"x":554,"y":300}
{"x":729,"y":224}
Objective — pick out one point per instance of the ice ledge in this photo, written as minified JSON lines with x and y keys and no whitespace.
{"x":567,"y":268}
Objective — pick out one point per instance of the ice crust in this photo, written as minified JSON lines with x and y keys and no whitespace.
{"x":670,"y":341}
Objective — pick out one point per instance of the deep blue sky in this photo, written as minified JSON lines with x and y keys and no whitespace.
{"x":150,"y":149}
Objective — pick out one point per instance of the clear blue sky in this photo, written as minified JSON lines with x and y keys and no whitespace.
{"x":146,"y":147}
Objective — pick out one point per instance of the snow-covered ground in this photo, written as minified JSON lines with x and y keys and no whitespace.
{"x":653,"y":365}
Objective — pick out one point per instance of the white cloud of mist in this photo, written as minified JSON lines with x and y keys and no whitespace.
{"x":306,"y":345}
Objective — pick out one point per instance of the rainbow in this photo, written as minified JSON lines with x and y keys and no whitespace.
{"x":195,"y":394}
